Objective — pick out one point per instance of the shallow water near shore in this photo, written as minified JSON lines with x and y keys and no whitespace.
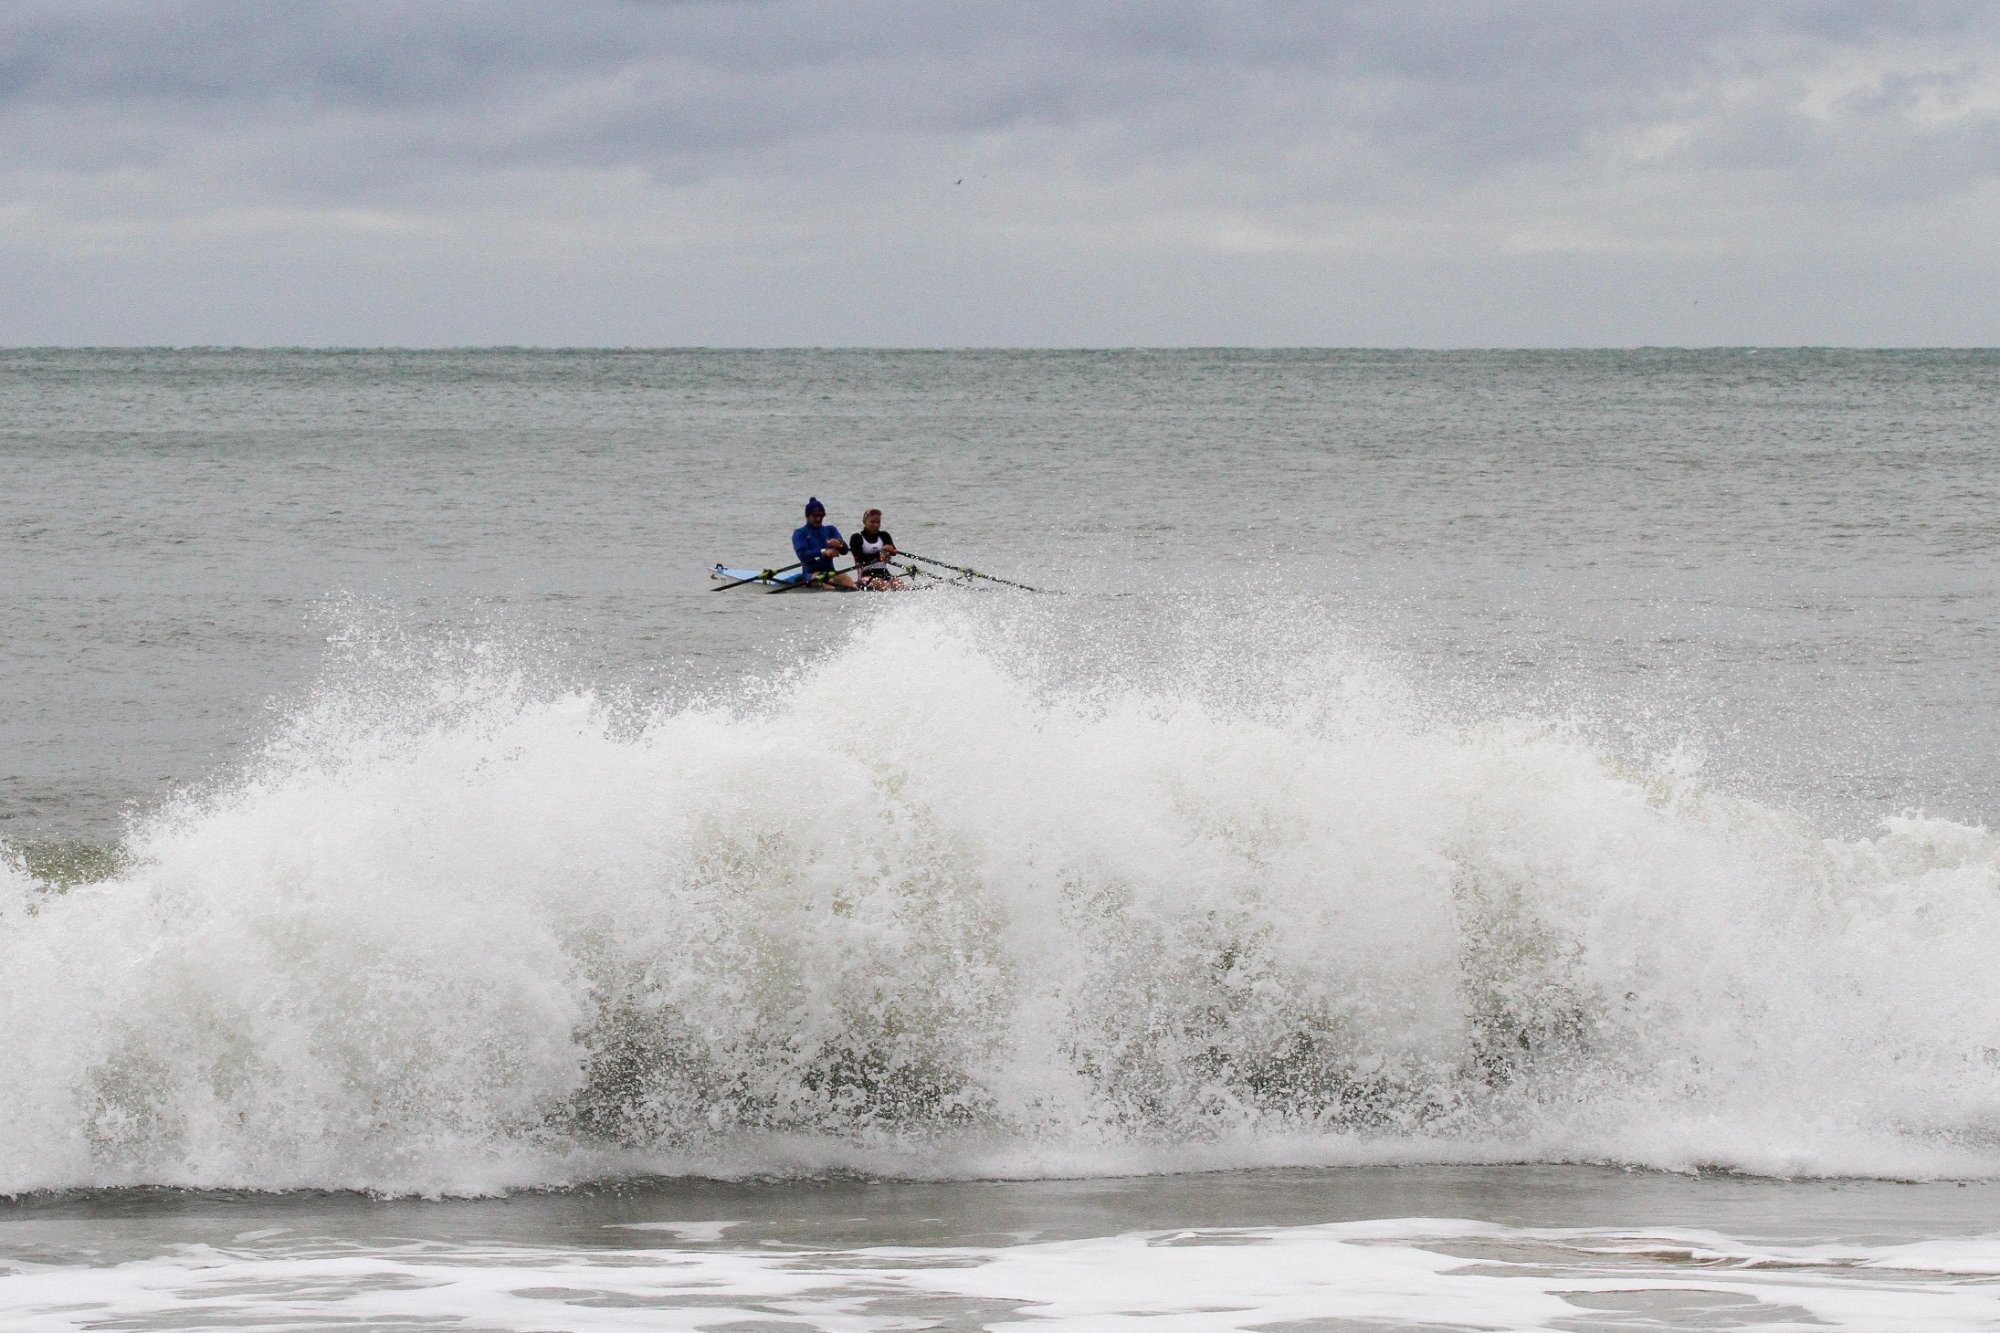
{"x":1495,"y":1247}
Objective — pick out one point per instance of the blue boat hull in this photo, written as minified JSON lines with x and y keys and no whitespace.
{"x":773,"y":583}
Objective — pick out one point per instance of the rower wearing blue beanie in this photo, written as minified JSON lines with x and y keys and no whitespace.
{"x":816,"y":544}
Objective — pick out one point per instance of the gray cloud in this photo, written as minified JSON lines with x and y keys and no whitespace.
{"x":767,"y":138}
{"x":1468,"y":83}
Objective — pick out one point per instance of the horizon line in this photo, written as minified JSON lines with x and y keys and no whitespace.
{"x":942,"y":349}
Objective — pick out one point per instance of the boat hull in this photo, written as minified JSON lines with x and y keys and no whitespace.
{"x":789,"y":581}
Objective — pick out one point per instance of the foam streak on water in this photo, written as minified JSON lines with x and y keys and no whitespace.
{"x":1006,"y":909}
{"x":1408,"y":1273}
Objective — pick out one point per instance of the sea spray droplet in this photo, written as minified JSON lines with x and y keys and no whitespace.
{"x":460,"y":929}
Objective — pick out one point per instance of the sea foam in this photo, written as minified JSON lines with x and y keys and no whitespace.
{"x":964,"y":895}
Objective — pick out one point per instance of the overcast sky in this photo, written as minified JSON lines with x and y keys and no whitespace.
{"x":1082,"y":173}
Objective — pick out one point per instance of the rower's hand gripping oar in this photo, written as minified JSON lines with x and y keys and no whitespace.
{"x":825,"y":576}
{"x":761,"y":576}
{"x":972,"y":573}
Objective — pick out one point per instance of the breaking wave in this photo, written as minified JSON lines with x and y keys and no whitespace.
{"x":974,"y":897}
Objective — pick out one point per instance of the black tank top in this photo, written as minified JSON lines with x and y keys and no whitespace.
{"x":868,"y":550}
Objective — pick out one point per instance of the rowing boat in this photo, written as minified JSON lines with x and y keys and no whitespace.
{"x":775,"y":582}
{"x":907,"y":576}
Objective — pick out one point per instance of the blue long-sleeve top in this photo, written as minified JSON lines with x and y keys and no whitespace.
{"x":809,"y":545}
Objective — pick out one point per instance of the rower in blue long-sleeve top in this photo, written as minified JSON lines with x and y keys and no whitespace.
{"x":816,"y":544}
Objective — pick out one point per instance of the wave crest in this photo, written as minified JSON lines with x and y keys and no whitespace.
{"x":965,"y":898}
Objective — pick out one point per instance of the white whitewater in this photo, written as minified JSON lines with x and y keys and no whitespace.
{"x":1379,"y":1275}
{"x":969,"y":898}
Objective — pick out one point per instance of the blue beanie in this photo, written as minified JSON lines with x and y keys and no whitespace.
{"x":813,"y":503}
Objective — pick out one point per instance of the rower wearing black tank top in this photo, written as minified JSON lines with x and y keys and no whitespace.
{"x":873,"y":548}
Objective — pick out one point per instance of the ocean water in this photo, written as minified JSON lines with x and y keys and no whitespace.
{"x":1464,"y":840}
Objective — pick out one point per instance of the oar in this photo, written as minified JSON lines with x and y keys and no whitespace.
{"x":912,"y":572}
{"x":961,"y":569}
{"x":761,"y":576}
{"x":820,"y":578}
{"x":811,"y":579}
